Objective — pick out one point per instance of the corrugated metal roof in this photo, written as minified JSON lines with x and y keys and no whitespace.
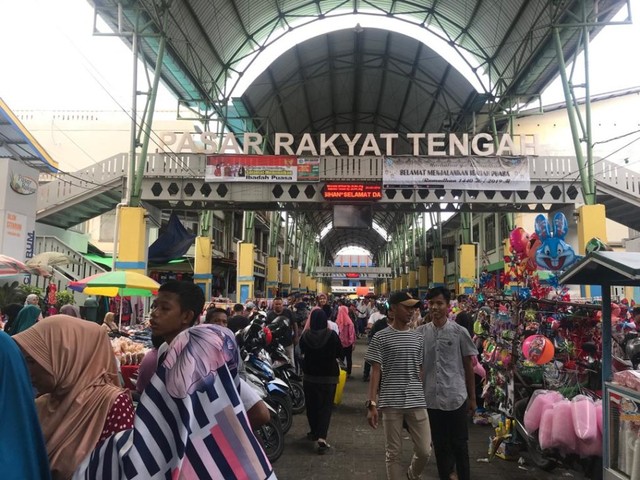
{"x":362,"y":81}
{"x":18,"y":144}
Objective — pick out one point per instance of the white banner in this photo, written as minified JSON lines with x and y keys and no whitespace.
{"x":464,"y":173}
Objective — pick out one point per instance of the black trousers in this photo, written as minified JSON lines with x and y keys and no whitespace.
{"x":450,"y":435}
{"x":347,"y":355}
{"x":319,"y":404}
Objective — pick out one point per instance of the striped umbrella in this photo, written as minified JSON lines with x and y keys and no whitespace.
{"x":12,"y":266}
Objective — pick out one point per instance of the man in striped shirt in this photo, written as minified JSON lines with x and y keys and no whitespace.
{"x":395,"y":355}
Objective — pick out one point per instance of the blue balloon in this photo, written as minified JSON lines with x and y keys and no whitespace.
{"x":554,"y":253}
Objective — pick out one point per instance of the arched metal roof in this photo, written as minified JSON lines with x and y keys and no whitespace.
{"x":359,"y":79}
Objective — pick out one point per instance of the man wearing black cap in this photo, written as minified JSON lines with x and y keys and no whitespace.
{"x":396,"y":355}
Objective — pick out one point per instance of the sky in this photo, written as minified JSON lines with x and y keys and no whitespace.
{"x":57,"y":63}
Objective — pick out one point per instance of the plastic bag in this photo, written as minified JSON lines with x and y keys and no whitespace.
{"x":562,"y":432}
{"x":583,"y":412}
{"x":599,"y":416}
{"x":588,"y":448}
{"x":545,"y":437}
{"x":538,"y":403}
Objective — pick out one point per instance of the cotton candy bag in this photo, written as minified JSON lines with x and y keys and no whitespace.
{"x":562,"y":432}
{"x":584,"y":415}
{"x":538,"y":403}
{"x":545,"y":437}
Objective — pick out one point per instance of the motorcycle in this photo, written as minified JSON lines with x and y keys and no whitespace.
{"x":278,"y":391}
{"x":284,"y":370}
{"x":270,"y":434}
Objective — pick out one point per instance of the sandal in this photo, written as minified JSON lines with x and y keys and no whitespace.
{"x":323,"y":446}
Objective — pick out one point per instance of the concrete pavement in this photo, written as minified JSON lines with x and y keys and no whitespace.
{"x":358,"y":451}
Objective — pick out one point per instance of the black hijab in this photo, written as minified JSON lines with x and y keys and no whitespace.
{"x":318,"y":334}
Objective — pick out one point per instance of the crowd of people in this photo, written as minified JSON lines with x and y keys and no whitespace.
{"x":192,"y":415}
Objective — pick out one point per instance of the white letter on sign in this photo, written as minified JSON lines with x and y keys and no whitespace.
{"x":284,"y":141}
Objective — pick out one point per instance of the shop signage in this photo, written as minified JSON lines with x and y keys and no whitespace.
{"x":352,"y":275}
{"x":465,"y":173}
{"x":261,"y":168}
{"x":23,"y":185}
{"x":352,"y":191}
{"x":357,"y":144}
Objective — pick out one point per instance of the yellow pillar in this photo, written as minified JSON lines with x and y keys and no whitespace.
{"x":245,"y":278}
{"x":423,"y":279}
{"x":592,"y":222}
{"x":438,"y":272}
{"x":202,"y":267}
{"x":412,"y":279}
{"x":303,"y":281}
{"x":315,"y":285}
{"x":383,"y":287}
{"x":295,"y":280}
{"x":286,"y":279}
{"x":321,"y":287}
{"x":467,"y":262}
{"x":132,"y":240}
{"x":405,"y":281}
{"x":272,"y":277}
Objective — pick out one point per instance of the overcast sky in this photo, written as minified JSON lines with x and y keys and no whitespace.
{"x":57,"y":63}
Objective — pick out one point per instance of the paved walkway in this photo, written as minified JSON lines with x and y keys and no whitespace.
{"x":358,"y":451}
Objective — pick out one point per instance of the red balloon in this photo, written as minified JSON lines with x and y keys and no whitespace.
{"x":518,"y":238}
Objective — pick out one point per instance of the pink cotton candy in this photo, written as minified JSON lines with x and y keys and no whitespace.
{"x":538,"y":403}
{"x":545,"y":437}
{"x":583,"y":412}
{"x":562,"y":432}
{"x":588,"y":448}
{"x":599,"y":416}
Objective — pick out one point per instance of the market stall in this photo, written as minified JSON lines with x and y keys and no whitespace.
{"x":621,"y":403}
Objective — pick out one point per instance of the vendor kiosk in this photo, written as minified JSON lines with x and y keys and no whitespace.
{"x":621,"y":405}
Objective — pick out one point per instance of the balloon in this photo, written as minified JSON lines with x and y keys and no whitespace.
{"x":518,"y":239}
{"x":538,"y":349}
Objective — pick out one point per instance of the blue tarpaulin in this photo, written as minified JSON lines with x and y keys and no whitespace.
{"x":172,"y":243}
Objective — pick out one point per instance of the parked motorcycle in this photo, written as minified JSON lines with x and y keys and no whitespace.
{"x":270,"y":434}
{"x":284,"y":370}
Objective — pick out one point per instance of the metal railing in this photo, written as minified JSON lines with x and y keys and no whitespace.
{"x":104,"y":175}
{"x":63,"y":274}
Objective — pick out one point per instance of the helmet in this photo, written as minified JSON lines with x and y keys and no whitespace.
{"x":280,"y":327}
{"x":259,"y":318}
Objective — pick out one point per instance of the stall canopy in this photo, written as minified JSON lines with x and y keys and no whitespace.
{"x":605,"y":268}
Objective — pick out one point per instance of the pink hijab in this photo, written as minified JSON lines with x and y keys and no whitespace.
{"x":345,"y":325}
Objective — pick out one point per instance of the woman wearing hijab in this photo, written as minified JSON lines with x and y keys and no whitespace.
{"x":190,"y":422}
{"x":24,"y":455}
{"x":27,"y":317}
{"x":80,"y":401}
{"x":321,"y":348}
{"x":11,"y":312}
{"x":70,"y":310}
{"x":347,"y":336}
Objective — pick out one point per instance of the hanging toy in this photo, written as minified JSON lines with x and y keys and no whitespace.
{"x":554,"y":253}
